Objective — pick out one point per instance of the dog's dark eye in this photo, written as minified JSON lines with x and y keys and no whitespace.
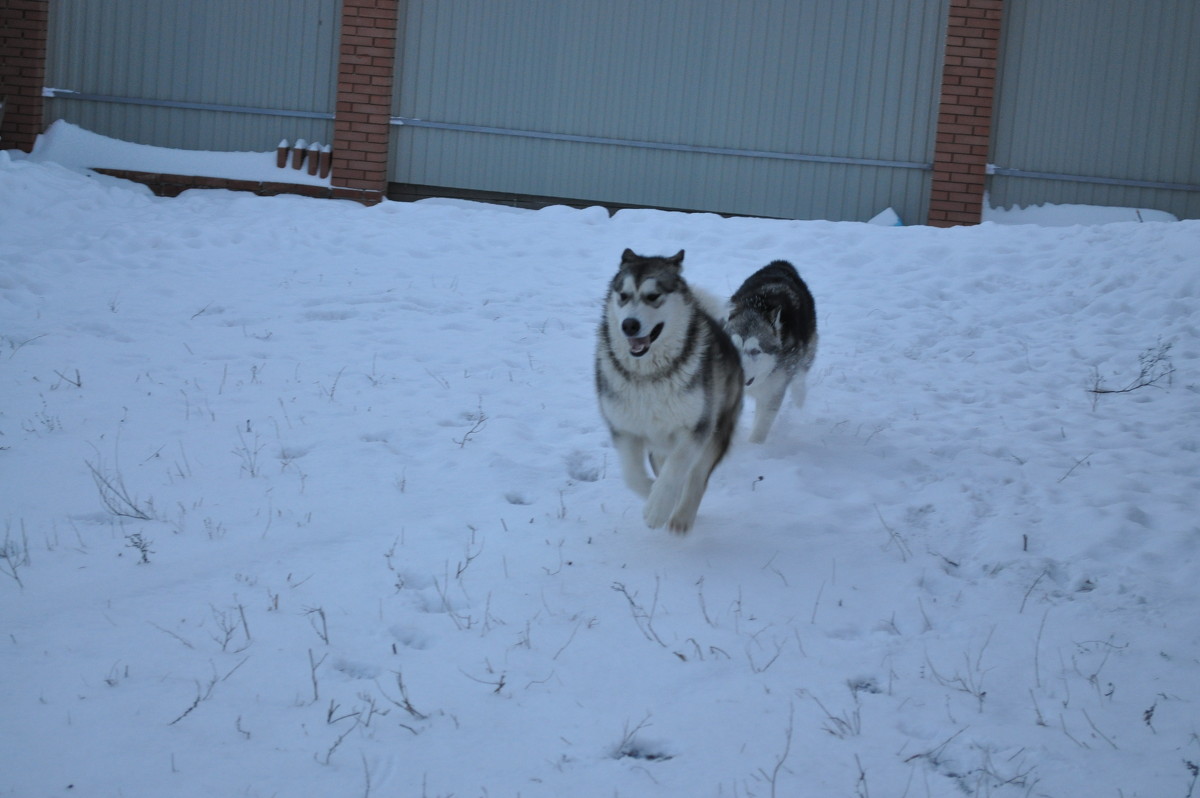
{"x":652,"y":298}
{"x":754,"y":352}
{"x":623,"y":297}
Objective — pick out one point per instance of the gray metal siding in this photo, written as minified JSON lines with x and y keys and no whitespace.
{"x":1104,"y":90}
{"x":267,"y":55}
{"x":784,"y":80}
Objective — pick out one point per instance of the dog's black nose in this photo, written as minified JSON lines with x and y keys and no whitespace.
{"x":630,"y":327}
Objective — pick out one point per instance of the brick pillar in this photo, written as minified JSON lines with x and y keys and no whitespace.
{"x":23,"y":26}
{"x":366,"y":65}
{"x":965,"y":114}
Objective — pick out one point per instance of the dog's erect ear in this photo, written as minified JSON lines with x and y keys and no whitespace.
{"x":629,"y":256}
{"x":773,"y":317}
{"x":676,"y":260}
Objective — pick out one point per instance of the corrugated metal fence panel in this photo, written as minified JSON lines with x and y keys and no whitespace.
{"x":269,"y":54}
{"x":854,"y":80}
{"x":1104,"y":89}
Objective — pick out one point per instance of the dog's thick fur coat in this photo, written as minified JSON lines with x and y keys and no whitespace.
{"x":669,"y":383}
{"x":773,"y":323}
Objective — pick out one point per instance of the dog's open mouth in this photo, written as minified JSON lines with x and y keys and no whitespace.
{"x":640,"y":346}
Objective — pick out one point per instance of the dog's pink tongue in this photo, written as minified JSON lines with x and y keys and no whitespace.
{"x":638,"y":346}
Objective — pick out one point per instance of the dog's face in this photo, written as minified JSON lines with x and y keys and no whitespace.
{"x":758,"y":339}
{"x":645,"y":296}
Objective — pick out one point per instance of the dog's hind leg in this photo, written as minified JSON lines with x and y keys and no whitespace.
{"x":800,"y":383}
{"x":632,"y":452}
{"x":767,"y":401}
{"x":800,"y":388}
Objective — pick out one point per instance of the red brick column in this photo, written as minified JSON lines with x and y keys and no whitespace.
{"x":23,"y":26}
{"x":366,"y":65}
{"x":965,"y":113}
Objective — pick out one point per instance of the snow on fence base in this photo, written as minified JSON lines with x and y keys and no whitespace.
{"x":168,"y":172}
{"x":169,"y":185}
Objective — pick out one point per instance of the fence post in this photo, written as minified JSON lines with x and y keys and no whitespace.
{"x":964,"y":125}
{"x":23,"y":29}
{"x":366,"y":63}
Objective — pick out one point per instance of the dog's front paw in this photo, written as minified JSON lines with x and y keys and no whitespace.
{"x":680,"y":525}
{"x":658,"y":508}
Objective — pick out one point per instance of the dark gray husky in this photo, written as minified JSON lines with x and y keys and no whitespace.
{"x":773,"y":322}
{"x":669,"y":382}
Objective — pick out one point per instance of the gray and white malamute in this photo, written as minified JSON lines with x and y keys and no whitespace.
{"x":669,"y":382}
{"x":773,"y":322}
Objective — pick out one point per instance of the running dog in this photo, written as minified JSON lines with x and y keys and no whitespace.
{"x":669,"y":383}
{"x":773,"y":323}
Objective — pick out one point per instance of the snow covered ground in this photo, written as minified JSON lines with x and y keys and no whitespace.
{"x":306,"y":498}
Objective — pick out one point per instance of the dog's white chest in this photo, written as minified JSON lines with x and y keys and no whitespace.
{"x":655,"y":410}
